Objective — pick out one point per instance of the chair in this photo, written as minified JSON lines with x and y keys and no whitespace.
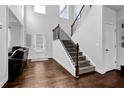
{"x":17,"y":61}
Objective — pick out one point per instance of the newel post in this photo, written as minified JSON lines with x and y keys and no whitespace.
{"x":58,"y":31}
{"x":77,"y":66}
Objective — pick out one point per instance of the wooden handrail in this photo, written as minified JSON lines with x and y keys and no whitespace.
{"x":72,"y":30}
{"x":78,"y":15}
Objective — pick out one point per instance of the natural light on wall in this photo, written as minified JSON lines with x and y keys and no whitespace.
{"x":64,"y":11}
{"x":9,"y":38}
{"x":40,"y":9}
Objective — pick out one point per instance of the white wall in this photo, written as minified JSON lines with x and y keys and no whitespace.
{"x":77,"y":9}
{"x":89,"y":36}
{"x":62,"y":57}
{"x":120,"y":50}
{"x":16,"y":31}
{"x":18,"y":11}
{"x":3,"y":45}
{"x":43,"y":24}
{"x":16,"y":36}
{"x":109,"y":15}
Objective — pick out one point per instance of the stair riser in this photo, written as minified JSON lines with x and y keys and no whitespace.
{"x":83,"y":64}
{"x":70,"y":47}
{"x":79,"y":59}
{"x":86,"y":70}
{"x":71,"y":50}
{"x":73,"y":54}
{"x":68,"y":43}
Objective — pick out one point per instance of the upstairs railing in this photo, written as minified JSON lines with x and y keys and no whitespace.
{"x":59,"y":33}
{"x":77,"y":20}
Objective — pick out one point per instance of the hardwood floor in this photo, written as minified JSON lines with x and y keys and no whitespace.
{"x":50,"y":74}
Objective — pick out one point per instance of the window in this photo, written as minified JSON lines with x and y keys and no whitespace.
{"x":64,"y":11}
{"x":62,"y":7}
{"x":22,"y":10}
{"x":39,"y":42}
{"x":40,"y":9}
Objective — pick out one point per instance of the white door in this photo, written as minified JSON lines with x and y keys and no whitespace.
{"x":109,"y":46}
{"x":3,"y":46}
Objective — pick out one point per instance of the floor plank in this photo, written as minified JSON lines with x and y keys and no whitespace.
{"x":49,"y":74}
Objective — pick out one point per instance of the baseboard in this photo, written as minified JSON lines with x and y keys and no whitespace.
{"x":3,"y":82}
{"x":118,"y":68}
{"x":100,"y":70}
{"x":41,"y":59}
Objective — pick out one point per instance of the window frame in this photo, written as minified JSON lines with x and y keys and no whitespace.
{"x":43,"y":44}
{"x":38,"y":11}
{"x":62,"y":11}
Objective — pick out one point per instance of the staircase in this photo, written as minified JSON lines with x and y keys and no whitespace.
{"x":80,"y":62}
{"x":83,"y":63}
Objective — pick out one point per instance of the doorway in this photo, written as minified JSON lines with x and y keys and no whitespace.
{"x":109,"y":46}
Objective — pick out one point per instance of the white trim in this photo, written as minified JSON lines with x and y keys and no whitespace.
{"x":3,"y":82}
{"x":44,"y":42}
{"x":41,"y":9}
{"x":66,"y":62}
{"x":41,"y":59}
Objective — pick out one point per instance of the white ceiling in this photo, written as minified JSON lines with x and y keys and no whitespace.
{"x":115,"y":7}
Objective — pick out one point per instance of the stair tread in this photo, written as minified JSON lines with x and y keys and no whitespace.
{"x":83,"y":61}
{"x":86,"y":67}
{"x":66,"y":40}
{"x":69,"y":44}
{"x":83,"y":64}
{"x":75,"y":52}
{"x":78,"y":56}
{"x":71,"y":48}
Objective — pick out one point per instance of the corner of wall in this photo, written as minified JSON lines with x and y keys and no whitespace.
{"x":101,"y":71}
{"x":3,"y":82}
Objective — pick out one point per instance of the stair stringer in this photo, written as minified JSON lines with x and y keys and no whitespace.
{"x":61,"y":56}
